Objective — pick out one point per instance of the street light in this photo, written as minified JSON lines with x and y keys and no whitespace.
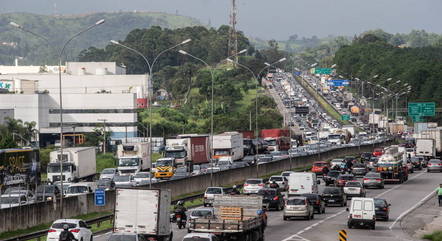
{"x":211,"y":112}
{"x":149,"y":91}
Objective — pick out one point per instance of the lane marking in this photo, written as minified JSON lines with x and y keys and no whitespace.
{"x":422,"y":201}
{"x":344,"y":210}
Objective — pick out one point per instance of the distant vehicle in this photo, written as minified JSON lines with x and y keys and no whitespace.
{"x":228,"y":144}
{"x":224,"y":162}
{"x":210,"y":193}
{"x":286,"y":173}
{"x":13,"y":200}
{"x":417,"y":162}
{"x":77,"y":227}
{"x":79,"y":163}
{"x":344,"y":178}
{"x":316,"y":201}
{"x":320,"y":167}
{"x":377,"y":152}
{"x":426,"y":147}
{"x":201,"y":213}
{"x":282,"y":182}
{"x":354,"y":189}
{"x":143,"y":179}
{"x":337,"y":162}
{"x":434,"y":165}
{"x":124,"y":181}
{"x":106,"y":184}
{"x":253,"y":185}
{"x":47,"y":193}
{"x":180,"y":172}
{"x":334,"y":195}
{"x":302,"y":182}
{"x":359,"y":169}
{"x":133,"y":158}
{"x":271,"y":198}
{"x":330,"y":177}
{"x":298,"y":207}
{"x":362,"y":213}
{"x":277,"y":139}
{"x":108,"y":173}
{"x":81,"y":188}
{"x":382,"y":209}
{"x":373,"y":179}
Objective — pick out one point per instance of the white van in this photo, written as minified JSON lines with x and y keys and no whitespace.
{"x":302,"y":183}
{"x":362,"y":213}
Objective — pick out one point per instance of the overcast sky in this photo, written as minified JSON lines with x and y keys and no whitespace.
{"x":269,"y":19}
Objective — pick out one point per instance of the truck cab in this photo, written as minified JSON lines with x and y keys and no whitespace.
{"x":129,"y":165}
{"x":179,"y":153}
{"x":133,"y":158}
{"x":54,"y":172}
{"x":165,"y":167}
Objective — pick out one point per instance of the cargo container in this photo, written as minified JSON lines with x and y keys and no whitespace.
{"x":426,"y":147}
{"x":436,"y":135}
{"x":79,"y":163}
{"x":228,"y":144}
{"x":277,"y":139}
{"x":188,"y":149}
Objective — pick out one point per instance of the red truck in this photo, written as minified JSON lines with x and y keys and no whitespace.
{"x":277,"y":139}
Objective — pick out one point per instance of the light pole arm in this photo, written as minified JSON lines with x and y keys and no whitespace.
{"x":137,"y":52}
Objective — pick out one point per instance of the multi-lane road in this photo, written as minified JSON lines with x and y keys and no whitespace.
{"x":324,"y":227}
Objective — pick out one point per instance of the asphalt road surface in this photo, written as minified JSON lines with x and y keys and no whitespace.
{"x":326,"y":226}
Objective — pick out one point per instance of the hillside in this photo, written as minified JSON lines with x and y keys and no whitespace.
{"x":57,"y":29}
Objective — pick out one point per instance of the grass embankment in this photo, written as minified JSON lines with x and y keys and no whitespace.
{"x":436,"y":236}
{"x":324,"y":104}
{"x":95,"y":228}
{"x":107,"y":160}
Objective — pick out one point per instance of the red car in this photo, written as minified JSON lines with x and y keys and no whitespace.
{"x":320,"y":167}
{"x":344,"y":178}
{"x":377,"y":152}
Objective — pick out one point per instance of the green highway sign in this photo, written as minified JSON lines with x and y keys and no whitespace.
{"x":421,"y":108}
{"x":416,"y":118}
{"x":345,"y":117}
{"x":323,"y":71}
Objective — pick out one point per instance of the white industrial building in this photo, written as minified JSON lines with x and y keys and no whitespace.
{"x":94,"y":94}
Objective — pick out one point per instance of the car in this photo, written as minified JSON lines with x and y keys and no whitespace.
{"x":13,"y":200}
{"x":210,"y":193}
{"x":382,"y":209}
{"x":200,"y":237}
{"x":286,"y":173}
{"x":373,"y":179}
{"x":354,"y":189}
{"x":365,"y":156}
{"x":78,"y":227}
{"x":206,"y":213}
{"x":330,"y":177}
{"x":333,"y":196}
{"x":320,"y":167}
{"x":106,"y":184}
{"x":282,"y":182}
{"x":316,"y":201}
{"x":46,"y":193}
{"x":253,"y":185}
{"x":298,"y":207}
{"x":361,"y":213}
{"x":344,"y":178}
{"x":338,"y":162}
{"x":123,"y":181}
{"x":377,"y":152}
{"x":108,"y":173}
{"x":81,"y":188}
{"x":417,"y":162}
{"x":410,"y":166}
{"x":264,"y":160}
{"x":30,"y":196}
{"x":359,"y":169}
{"x":271,"y":198}
{"x":126,"y":236}
{"x":143,"y":179}
{"x":181,"y":172}
{"x":434,"y":165}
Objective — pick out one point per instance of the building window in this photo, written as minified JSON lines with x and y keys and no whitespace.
{"x":93,"y":124}
{"x":91,"y":111}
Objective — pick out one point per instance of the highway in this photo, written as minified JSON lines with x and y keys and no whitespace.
{"x":326,"y":226}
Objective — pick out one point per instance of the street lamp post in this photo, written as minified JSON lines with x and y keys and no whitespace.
{"x":149,"y":91}
{"x":60,"y":56}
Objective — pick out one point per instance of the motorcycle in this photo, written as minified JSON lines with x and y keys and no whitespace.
{"x":180,"y":220}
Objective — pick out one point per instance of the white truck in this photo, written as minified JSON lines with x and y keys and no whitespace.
{"x":426,"y":147}
{"x":228,"y":144}
{"x":350,"y":128}
{"x":436,"y":135}
{"x":302,"y":183}
{"x":144,"y":212}
{"x":79,"y":163}
{"x":133,"y":158}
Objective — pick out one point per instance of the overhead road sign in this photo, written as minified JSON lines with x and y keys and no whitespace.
{"x":345,"y":117}
{"x":323,"y":71}
{"x":422,"y":109}
{"x":338,"y":83}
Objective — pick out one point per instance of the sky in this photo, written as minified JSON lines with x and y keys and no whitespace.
{"x":268,"y":19}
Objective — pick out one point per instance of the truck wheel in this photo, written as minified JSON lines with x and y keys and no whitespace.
{"x":373,"y":226}
{"x":284,"y":218}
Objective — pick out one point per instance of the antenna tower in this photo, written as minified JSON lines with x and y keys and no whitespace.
{"x":233,"y":39}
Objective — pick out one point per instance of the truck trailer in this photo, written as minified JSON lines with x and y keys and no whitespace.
{"x":277,"y":139}
{"x":228,"y":144}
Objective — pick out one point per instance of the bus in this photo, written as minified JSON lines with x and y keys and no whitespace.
{"x":19,"y":167}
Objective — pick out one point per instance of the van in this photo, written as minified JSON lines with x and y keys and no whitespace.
{"x":302,"y":183}
{"x":362,"y":213}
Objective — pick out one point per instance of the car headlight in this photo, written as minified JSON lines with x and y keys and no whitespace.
{"x":49,"y":198}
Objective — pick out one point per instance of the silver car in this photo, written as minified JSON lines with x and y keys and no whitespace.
{"x":434,"y":165}
{"x":298,"y":207}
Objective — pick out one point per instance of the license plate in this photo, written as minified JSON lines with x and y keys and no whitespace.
{"x":331,"y":201}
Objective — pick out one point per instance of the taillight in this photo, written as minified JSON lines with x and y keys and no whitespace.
{"x":276,"y":198}
{"x":245,"y":185}
{"x":318,"y":202}
{"x":52,"y":231}
{"x":366,"y":179}
{"x":386,"y":209}
{"x":75,"y":230}
{"x":379,"y":180}
{"x":261,"y":184}
{"x":178,"y":216}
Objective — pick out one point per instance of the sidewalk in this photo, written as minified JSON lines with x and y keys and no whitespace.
{"x":424,"y":220}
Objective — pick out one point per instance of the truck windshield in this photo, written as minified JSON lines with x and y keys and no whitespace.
{"x":55,"y":167}
{"x":176,"y":154}
{"x":164,"y":163}
{"x":271,"y":142}
{"x":129,"y":162}
{"x":222,"y":152}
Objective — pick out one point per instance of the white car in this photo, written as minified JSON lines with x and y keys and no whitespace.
{"x":108,"y":173}
{"x":77,"y":227}
{"x":253,"y":185}
{"x":13,"y":200}
{"x":143,"y":179}
{"x":200,"y":236}
{"x":282,"y":182}
{"x":354,"y":189}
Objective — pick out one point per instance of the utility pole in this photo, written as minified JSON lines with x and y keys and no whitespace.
{"x":233,"y":38}
{"x":104,"y":133}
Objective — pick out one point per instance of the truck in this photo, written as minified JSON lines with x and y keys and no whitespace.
{"x":144,"y":212}
{"x":236,"y":217}
{"x":277,"y":139}
{"x":396,"y":128}
{"x":22,"y":165}
{"x":165,"y":167}
{"x":436,"y":135}
{"x":426,"y":147}
{"x":228,"y":144}
{"x":78,"y":163}
{"x":355,"y":110}
{"x":302,"y":183}
{"x":351,"y":129}
{"x":392,"y":168}
{"x":188,"y":150}
{"x":133,"y":158}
